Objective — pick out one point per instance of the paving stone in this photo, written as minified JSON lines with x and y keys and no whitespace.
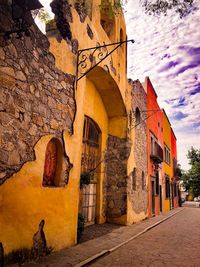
{"x":75,"y":255}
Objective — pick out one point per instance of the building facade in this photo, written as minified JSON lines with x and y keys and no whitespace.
{"x":168,"y":167}
{"x":155,"y":151}
{"x":175,"y":176}
{"x":74,"y":138}
{"x":65,"y":139}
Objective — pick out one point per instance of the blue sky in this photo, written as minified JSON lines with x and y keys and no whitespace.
{"x":167,"y":49}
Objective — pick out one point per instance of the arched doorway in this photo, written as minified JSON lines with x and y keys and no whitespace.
{"x":90,"y":161}
{"x":103,"y":103}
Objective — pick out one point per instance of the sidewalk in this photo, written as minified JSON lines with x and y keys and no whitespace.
{"x":81,"y":254}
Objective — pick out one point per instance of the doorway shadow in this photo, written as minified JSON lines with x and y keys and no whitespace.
{"x":98,"y":230}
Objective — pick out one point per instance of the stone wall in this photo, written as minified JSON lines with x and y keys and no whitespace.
{"x":137,"y":189}
{"x":118,"y":151}
{"x":36,"y":98}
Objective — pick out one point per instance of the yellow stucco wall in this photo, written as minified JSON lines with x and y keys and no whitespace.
{"x":94,"y":108}
{"x":23,"y":200}
{"x":24,"y":203}
{"x":168,"y":169}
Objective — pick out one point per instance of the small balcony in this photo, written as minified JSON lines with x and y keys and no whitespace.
{"x":157,"y":153}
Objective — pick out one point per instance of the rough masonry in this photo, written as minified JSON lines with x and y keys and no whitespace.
{"x":137,"y":189}
{"x":115,"y":190}
{"x":36,"y":98}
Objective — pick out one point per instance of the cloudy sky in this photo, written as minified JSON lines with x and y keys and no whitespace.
{"x":167,"y":49}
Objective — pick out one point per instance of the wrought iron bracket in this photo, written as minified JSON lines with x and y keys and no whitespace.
{"x":89,"y":58}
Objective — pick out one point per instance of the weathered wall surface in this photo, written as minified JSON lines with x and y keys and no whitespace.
{"x":137,"y":188}
{"x":36,"y":98}
{"x":37,"y":103}
{"x":117,"y":154}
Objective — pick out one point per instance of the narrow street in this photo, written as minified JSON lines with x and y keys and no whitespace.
{"x":175,"y":242}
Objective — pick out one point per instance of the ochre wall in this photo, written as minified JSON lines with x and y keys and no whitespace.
{"x":168,"y":168}
{"x":155,"y":117}
{"x":25,"y":202}
{"x":94,"y":108}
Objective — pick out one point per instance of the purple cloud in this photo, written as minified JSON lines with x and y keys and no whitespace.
{"x":170,"y":65}
{"x":196,"y":90}
{"x":192,"y":51}
{"x":185,"y":68}
{"x":178,"y":115}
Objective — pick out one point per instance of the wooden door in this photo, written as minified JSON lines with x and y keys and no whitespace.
{"x":89,"y":163}
{"x":50,"y":164}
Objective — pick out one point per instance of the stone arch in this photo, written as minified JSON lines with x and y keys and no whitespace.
{"x":112,"y":100}
{"x":115,"y":147}
{"x":54,"y":156}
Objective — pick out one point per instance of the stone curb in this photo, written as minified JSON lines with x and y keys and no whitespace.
{"x":108,"y":251}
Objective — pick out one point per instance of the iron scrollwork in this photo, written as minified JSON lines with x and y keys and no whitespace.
{"x":89,"y":58}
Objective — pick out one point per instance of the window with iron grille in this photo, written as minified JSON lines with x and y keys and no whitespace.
{"x":167,"y":187}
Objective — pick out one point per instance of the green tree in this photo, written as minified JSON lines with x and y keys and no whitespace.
{"x":183,"y":7}
{"x":191,"y":178}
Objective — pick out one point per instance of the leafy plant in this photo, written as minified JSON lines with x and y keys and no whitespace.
{"x":112,"y":9}
{"x":43,"y":15}
{"x":158,"y":7}
{"x":81,"y":226}
{"x":191,"y":178}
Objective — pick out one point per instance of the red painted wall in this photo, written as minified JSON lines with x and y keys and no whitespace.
{"x":155,"y":126}
{"x":174,"y":155}
{"x":174,"y":149}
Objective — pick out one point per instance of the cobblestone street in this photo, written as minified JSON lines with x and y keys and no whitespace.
{"x":175,"y":242}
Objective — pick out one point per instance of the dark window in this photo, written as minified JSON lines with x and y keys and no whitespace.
{"x":175,"y":190}
{"x":157,"y":183}
{"x":151,"y":145}
{"x":167,"y":187}
{"x":143,"y":181}
{"x":121,"y":35}
{"x":167,"y":155}
{"x":134,"y":179}
{"x":137,"y":116}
